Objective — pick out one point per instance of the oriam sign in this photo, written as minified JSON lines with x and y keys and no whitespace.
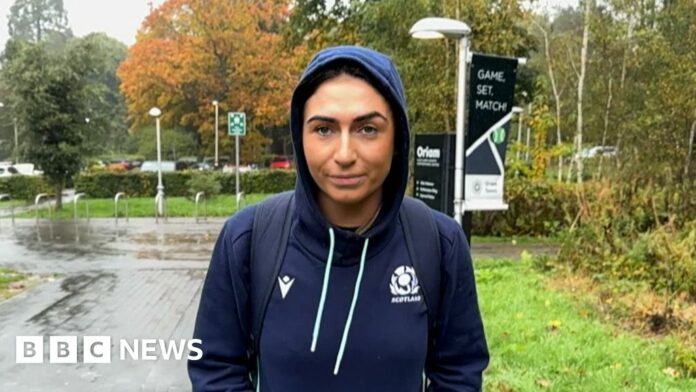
{"x":427,"y":152}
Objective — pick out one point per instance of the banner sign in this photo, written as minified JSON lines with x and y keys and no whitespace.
{"x":491,"y":89}
{"x":434,"y":171}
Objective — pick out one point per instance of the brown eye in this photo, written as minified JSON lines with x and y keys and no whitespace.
{"x":323,"y":131}
{"x":368,"y":130}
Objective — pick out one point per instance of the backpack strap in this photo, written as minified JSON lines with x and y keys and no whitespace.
{"x":269,"y":240}
{"x":423,"y":243}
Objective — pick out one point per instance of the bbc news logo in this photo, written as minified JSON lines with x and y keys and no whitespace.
{"x":98,"y":349}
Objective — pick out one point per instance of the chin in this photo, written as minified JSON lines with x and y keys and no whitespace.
{"x":347,"y":197}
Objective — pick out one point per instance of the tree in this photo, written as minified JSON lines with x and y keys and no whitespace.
{"x":555,"y":90}
{"x":428,"y":69}
{"x":107,"y":109}
{"x":176,"y":143}
{"x":191,"y":52}
{"x":38,"y":20}
{"x":588,"y":7}
{"x":49,"y":92}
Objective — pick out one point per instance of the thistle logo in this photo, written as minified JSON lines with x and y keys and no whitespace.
{"x":404,"y":285}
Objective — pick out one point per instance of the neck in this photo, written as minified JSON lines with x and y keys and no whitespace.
{"x":349,"y":215}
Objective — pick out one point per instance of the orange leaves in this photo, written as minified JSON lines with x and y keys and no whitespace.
{"x":190,"y":52}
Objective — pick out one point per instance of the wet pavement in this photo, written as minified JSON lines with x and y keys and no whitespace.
{"x":135,"y":280}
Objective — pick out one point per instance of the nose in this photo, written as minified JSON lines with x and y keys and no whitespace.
{"x":345,"y":155}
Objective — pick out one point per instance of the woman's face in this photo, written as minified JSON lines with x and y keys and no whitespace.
{"x":348,"y":140}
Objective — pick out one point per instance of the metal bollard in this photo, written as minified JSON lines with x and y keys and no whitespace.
{"x":36,"y":209}
{"x":116,"y":199}
{"x":75,"y":200}
{"x":205,"y":205}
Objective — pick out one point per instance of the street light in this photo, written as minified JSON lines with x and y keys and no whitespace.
{"x":432,"y":28}
{"x":156,"y":113}
{"x":216,"y":104}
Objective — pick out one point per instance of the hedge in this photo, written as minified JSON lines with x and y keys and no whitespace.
{"x":24,"y":187}
{"x":139,"y":184}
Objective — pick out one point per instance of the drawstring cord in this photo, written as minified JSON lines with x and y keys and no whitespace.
{"x":324,"y":289}
{"x":346,"y":329}
{"x":322,"y":300}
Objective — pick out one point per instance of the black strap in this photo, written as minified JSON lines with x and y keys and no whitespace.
{"x":423,"y":243}
{"x":269,"y":240}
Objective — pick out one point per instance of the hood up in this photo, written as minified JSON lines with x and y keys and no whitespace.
{"x":382,"y":72}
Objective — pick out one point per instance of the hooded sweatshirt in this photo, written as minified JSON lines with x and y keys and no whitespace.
{"x":339,"y":318}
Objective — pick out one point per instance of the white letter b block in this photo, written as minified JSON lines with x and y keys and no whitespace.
{"x":29,"y":349}
{"x":63,"y":349}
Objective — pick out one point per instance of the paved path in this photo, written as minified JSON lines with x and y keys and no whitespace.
{"x":137,"y":280}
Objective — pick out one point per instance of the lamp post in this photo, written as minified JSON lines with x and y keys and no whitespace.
{"x":217,"y":106}
{"x":433,"y":28}
{"x":156,"y":113}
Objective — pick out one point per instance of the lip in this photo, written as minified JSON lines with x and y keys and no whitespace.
{"x":346,"y":181}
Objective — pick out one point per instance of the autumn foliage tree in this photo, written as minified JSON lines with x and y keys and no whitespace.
{"x":191,"y":52}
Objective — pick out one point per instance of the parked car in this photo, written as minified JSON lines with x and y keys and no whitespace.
{"x":222,"y":161}
{"x":26,"y":169}
{"x":151,"y":166}
{"x":201,"y":166}
{"x":591,"y":152}
{"x":119,"y":165}
{"x":8,"y":171}
{"x":280,"y":162}
{"x":229,"y":168}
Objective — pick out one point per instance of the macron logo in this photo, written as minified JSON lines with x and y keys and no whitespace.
{"x":285,"y":284}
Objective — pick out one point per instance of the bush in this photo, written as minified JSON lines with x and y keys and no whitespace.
{"x":24,"y":187}
{"x":633,"y":234}
{"x":203,"y":183}
{"x":139,"y":184}
{"x":536,"y":208}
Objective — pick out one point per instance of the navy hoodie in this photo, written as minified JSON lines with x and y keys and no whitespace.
{"x":338,"y":329}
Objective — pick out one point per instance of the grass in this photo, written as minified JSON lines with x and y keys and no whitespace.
{"x":8,"y":276}
{"x":514,"y":240}
{"x":12,"y":203}
{"x":221,"y":206}
{"x":542,"y":339}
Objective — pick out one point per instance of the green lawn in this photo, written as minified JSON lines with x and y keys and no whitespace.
{"x":514,"y":240}
{"x":541,"y":339}
{"x":221,"y":206}
{"x":8,"y":276}
{"x":12,"y":203}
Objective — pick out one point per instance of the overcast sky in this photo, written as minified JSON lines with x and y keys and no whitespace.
{"x":121,"y":19}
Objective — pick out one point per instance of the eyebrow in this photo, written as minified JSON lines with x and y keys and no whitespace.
{"x":360,"y":118}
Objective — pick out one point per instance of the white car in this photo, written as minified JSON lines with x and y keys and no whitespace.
{"x":151,"y":166}
{"x":8,"y":171}
{"x":591,"y":152}
{"x":26,"y":169}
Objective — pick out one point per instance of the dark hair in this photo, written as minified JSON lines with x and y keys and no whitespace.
{"x":351,"y":68}
{"x":333,"y":70}
{"x":336,"y":69}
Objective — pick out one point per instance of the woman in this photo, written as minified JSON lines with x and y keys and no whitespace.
{"x":330,"y":323}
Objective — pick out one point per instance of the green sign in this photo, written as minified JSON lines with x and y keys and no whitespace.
{"x":498,"y":136}
{"x":236,"y":123}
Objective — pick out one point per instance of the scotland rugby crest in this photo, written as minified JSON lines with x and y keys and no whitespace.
{"x":404,"y":285}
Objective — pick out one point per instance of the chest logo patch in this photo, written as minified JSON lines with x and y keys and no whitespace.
{"x":404,"y":285}
{"x":285,"y":284}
